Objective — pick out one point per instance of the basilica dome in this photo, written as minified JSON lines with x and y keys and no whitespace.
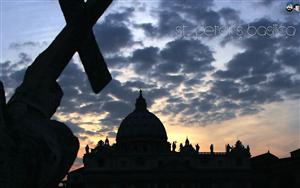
{"x":141,"y":125}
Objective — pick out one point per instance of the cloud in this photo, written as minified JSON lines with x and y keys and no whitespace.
{"x":251,"y":79}
{"x":230,"y":16}
{"x":113,"y":34}
{"x":255,"y":77}
{"x":289,"y":57}
{"x":112,"y":38}
{"x":262,"y":74}
{"x":112,"y":134}
{"x":188,"y":56}
{"x":180,"y":77}
{"x":170,"y":64}
{"x":28,"y":44}
{"x":180,"y":68}
{"x":189,"y":13}
{"x":117,"y":61}
{"x":117,"y":111}
{"x":12,"y":72}
{"x":145,"y":58}
{"x":78,"y":97}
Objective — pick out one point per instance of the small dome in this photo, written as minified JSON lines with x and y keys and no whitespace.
{"x":141,"y":125}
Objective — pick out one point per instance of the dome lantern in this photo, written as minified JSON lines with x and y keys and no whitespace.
{"x":140,"y":104}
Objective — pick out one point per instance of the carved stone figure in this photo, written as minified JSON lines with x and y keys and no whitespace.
{"x":197,"y":148}
{"x":174,"y":146}
{"x":180,"y":147}
{"x":211,"y":148}
{"x":106,"y":143}
{"x":87,"y":149}
{"x":100,"y":143}
{"x":38,"y":151}
{"x":187,"y":142}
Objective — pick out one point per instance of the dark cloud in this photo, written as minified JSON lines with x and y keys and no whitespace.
{"x":137,"y":84}
{"x":170,"y":64}
{"x":168,"y":21}
{"x":188,"y":56}
{"x":145,"y":58}
{"x":120,"y":17}
{"x":260,"y":72}
{"x":250,"y":62}
{"x":75,"y":128}
{"x":230,"y":15}
{"x":112,"y":134}
{"x":12,"y":72}
{"x":114,"y":34}
{"x":149,"y":29}
{"x":289,"y":57}
{"x":117,"y":61}
{"x":191,"y":9}
{"x":117,"y":110}
{"x":189,"y":13}
{"x":111,"y":38}
{"x":266,"y":69}
{"x":82,"y":133}
{"x":252,"y":78}
{"x":17,"y":76}
{"x":79,"y":98}
{"x":250,"y":110}
{"x":76,"y":88}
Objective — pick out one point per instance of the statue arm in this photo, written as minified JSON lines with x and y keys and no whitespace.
{"x":74,"y":37}
{"x":40,"y":77}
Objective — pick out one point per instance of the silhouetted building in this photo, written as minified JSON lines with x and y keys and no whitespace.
{"x":271,"y":172}
{"x":142,"y":157}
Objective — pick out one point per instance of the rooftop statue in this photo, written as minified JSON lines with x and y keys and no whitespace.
{"x":38,"y":152}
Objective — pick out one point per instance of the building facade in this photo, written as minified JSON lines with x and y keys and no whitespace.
{"x":142,"y":157}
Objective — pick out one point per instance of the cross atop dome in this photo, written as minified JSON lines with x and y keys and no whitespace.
{"x":187,"y":142}
{"x":140,"y":103}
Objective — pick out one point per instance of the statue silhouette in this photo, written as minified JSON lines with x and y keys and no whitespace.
{"x":211,"y":148}
{"x":174,"y":146}
{"x":197,"y":148}
{"x":87,"y":149}
{"x":39,"y":151}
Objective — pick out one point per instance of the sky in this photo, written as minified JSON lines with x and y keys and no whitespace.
{"x":213,"y":71}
